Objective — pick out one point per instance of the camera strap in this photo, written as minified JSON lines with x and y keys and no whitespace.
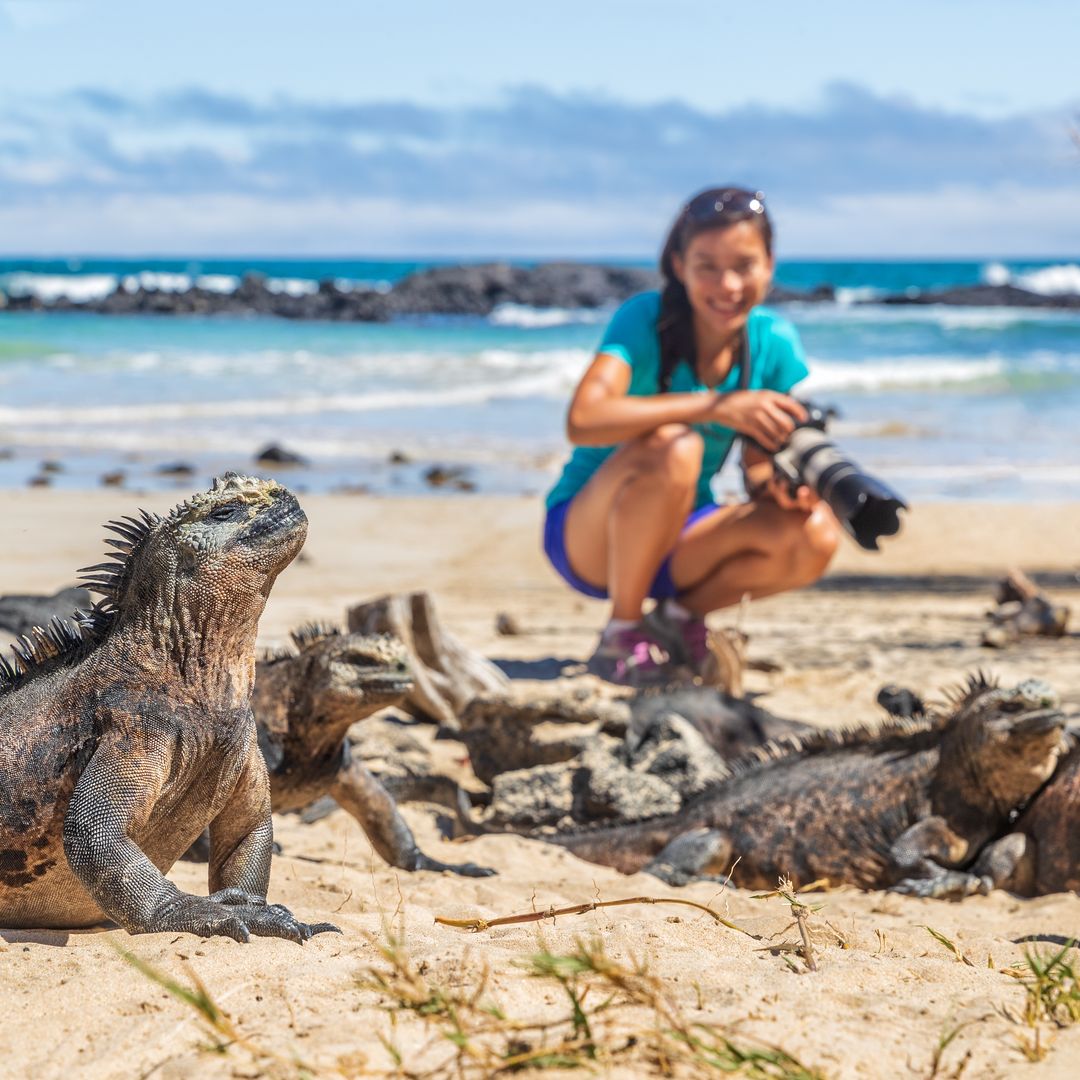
{"x":744,"y":360}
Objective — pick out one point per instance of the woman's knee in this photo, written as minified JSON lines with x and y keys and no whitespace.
{"x":674,"y":449}
{"x":815,"y":541}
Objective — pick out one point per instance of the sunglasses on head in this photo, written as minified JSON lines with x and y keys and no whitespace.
{"x":724,"y":202}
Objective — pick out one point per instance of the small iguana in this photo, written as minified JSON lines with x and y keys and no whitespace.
{"x":124,"y":734}
{"x":305,"y":702}
{"x":906,"y":804}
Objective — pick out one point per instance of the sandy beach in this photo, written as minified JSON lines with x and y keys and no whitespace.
{"x":887,"y":994}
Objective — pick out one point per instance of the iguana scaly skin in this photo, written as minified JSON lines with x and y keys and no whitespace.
{"x":906,"y":806}
{"x":125,"y":734}
{"x":305,"y":702}
{"x":1042,"y":852}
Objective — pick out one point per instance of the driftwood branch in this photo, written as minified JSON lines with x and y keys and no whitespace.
{"x":727,"y":660}
{"x":447,"y":674}
{"x":1023,"y":611}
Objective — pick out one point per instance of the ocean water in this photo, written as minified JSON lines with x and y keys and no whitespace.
{"x":944,"y":403}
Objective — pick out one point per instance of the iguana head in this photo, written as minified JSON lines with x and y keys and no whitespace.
{"x":214,"y":556}
{"x":347,"y":677}
{"x":1001,"y":744}
{"x":187,"y":584}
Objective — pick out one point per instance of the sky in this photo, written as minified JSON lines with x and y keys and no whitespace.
{"x":480,"y":128}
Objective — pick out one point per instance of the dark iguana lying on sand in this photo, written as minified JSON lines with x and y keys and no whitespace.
{"x":1042,"y":852}
{"x":907,"y":805}
{"x":306,"y":702}
{"x":126,"y":734}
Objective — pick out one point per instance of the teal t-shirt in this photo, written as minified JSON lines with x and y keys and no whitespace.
{"x":776,"y":363}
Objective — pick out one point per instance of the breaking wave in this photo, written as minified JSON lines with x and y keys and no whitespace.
{"x":1059,"y":280}
{"x":537,"y":318}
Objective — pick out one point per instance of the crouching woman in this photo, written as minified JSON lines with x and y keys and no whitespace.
{"x":678,"y":376}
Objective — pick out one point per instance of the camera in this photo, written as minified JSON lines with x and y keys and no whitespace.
{"x":866,"y":507}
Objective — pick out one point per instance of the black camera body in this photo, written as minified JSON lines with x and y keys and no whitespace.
{"x":866,"y":507}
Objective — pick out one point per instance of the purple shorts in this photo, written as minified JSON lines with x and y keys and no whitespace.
{"x":555,"y":549}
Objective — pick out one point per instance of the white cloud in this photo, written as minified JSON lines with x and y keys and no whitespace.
{"x":531,"y":173}
{"x":956,"y":221}
{"x":1005,"y":219}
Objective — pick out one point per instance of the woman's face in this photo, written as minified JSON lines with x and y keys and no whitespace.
{"x":725,"y":271}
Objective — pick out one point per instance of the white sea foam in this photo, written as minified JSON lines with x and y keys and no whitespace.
{"x":292,"y":286}
{"x":81,"y":288}
{"x":545,"y":383}
{"x":78,"y":288}
{"x":219,"y":283}
{"x":1052,"y":280}
{"x":846,"y":295}
{"x":945,"y":315}
{"x":558,"y":368}
{"x":987,"y":318}
{"x":902,"y":372}
{"x":157,"y":281}
{"x":1060,"y":280}
{"x":537,"y":318}
{"x":219,"y":439}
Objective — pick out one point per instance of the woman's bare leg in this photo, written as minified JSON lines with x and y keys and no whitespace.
{"x":753,"y":548}
{"x":626,"y":519}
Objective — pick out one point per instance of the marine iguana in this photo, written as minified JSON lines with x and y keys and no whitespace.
{"x":124,"y":734}
{"x":304,"y":704}
{"x":907,"y":802}
{"x":1041,"y":854}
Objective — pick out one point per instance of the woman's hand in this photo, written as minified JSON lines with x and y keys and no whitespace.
{"x":765,"y":416}
{"x":779,"y":491}
{"x":762,"y":481}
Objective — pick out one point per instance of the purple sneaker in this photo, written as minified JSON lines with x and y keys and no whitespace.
{"x":686,"y":640}
{"x":631,"y":657}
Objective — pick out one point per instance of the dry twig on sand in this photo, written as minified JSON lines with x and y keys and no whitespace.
{"x":477,"y":925}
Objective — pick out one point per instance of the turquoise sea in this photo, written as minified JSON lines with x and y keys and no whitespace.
{"x":943,"y":402}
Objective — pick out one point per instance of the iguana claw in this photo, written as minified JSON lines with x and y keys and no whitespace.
{"x":239,"y":915}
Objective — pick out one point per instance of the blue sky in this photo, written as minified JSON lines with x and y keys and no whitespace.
{"x":556,"y":129}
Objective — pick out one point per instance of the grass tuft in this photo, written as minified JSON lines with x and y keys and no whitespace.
{"x":949,"y":944}
{"x":1051,"y":997}
{"x":219,"y":1026}
{"x":613,"y":1013}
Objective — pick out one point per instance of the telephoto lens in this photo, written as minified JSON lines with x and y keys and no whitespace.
{"x":867,"y":508}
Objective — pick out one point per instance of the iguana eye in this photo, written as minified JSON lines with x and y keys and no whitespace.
{"x":225,"y":513}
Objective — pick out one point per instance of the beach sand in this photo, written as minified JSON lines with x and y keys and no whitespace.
{"x":879,"y":1006}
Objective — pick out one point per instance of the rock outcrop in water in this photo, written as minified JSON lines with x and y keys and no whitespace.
{"x":475,"y":290}
{"x":985,"y":296}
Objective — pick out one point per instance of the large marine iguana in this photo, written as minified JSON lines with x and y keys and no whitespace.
{"x":907,"y":802}
{"x":1041,"y":854}
{"x":123,"y":735}
{"x":305,"y":702}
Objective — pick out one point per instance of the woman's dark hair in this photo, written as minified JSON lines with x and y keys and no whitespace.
{"x":714,"y":208}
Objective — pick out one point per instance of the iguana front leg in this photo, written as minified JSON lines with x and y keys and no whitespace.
{"x":1009,"y":863}
{"x":114,"y":798}
{"x":921,"y":858}
{"x":361,"y":794}
{"x":241,"y":844}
